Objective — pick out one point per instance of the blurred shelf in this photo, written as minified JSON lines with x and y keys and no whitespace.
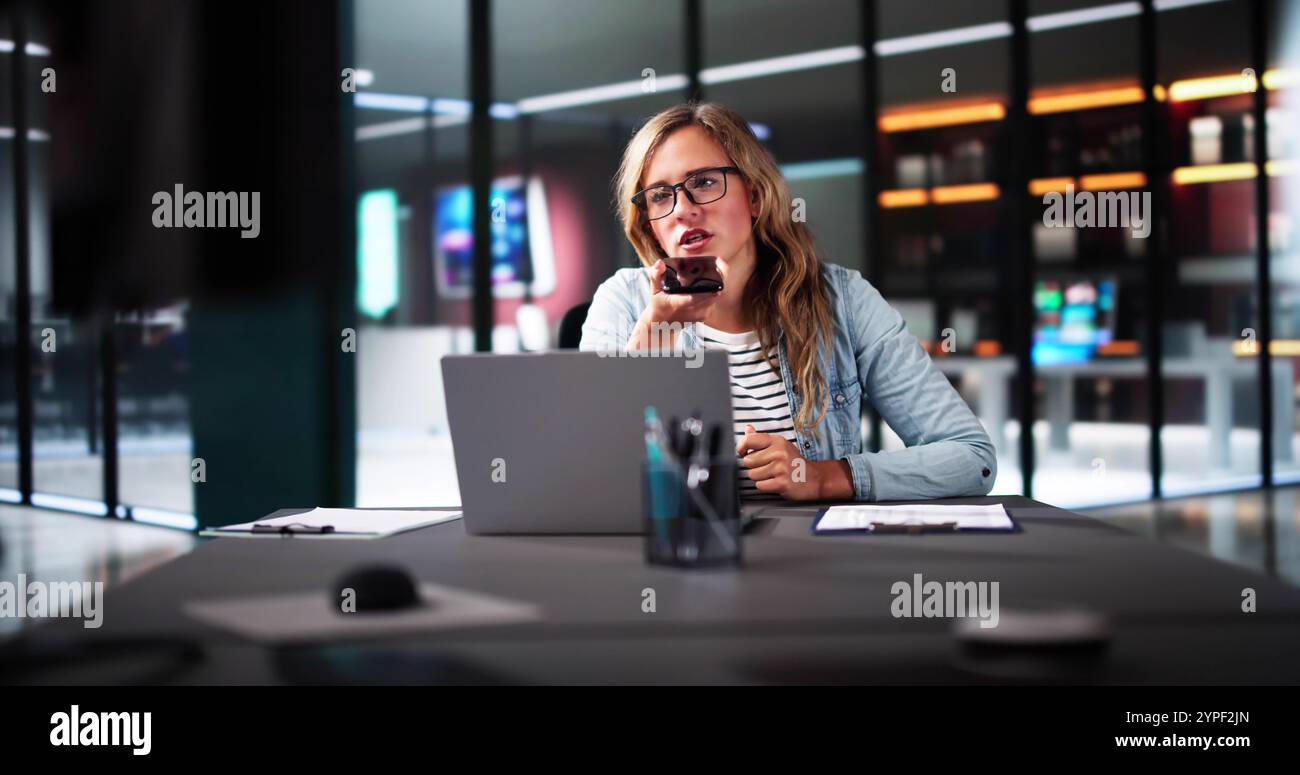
{"x":1105,"y":181}
{"x":1053,"y":102}
{"x":1075,"y":99}
{"x":982,"y":192}
{"x":1233,"y":84}
{"x":1285,"y":348}
{"x":1209,"y":270}
{"x":939,"y":195}
{"x":1218,"y":173}
{"x":909,"y":120}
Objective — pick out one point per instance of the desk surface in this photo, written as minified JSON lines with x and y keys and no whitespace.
{"x":804,"y":608}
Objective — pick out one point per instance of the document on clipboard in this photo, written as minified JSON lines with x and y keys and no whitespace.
{"x":338,"y":523}
{"x":913,"y":518}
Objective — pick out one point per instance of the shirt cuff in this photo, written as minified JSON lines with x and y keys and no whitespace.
{"x":864,"y":483}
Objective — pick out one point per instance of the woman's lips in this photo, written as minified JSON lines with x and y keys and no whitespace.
{"x":696,"y":246}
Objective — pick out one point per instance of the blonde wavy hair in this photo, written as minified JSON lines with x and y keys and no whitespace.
{"x":786,"y":294}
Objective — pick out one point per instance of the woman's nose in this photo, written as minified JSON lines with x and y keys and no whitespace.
{"x":686,"y":209}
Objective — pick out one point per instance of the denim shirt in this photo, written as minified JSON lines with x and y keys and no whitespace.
{"x":873,"y":358}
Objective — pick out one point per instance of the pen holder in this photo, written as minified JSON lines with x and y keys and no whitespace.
{"x":691,"y":519}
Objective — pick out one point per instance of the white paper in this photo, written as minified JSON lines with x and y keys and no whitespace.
{"x":361,"y":522}
{"x":860,"y":517}
{"x":314,"y":616}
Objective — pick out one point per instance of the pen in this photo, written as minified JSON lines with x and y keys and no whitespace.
{"x":914,"y":527}
{"x":291,"y":528}
{"x":658,"y":481}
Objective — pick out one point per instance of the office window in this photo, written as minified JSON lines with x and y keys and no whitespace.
{"x":155,"y":444}
{"x":1212,"y":415}
{"x":579,"y":92}
{"x":797,"y":80}
{"x":67,"y":465}
{"x":1284,"y":218}
{"x":412,"y":150}
{"x":8,"y":299}
{"x":943,"y":231}
{"x":1089,"y":227}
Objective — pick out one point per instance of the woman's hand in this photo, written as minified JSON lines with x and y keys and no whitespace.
{"x":676,"y":307}
{"x":667,"y":309}
{"x":775,"y":465}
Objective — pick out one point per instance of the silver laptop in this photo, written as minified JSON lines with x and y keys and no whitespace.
{"x":553,"y":442}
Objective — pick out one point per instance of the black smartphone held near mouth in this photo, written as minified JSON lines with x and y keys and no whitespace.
{"x":692,"y":274}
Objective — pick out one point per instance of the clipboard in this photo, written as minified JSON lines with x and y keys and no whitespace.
{"x":331,"y":523}
{"x":910,"y":528}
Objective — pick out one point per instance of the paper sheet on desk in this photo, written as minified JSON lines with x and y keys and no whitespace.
{"x":348,"y":523}
{"x":316,"y":616}
{"x":968,"y":517}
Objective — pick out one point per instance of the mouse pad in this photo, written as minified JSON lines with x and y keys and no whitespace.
{"x":314,"y":616}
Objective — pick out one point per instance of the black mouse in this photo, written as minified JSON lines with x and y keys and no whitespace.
{"x":374,"y":588}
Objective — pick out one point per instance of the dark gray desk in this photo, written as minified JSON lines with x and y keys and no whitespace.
{"x":804,"y":608}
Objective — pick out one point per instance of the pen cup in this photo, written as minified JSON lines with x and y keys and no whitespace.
{"x":691,"y":515}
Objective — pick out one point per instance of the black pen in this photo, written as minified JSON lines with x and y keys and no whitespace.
{"x":292,"y":528}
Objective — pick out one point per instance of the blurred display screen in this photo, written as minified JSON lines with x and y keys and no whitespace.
{"x":1072,"y":319}
{"x":520,"y":235}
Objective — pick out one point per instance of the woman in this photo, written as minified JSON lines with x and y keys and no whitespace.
{"x":807,"y":341}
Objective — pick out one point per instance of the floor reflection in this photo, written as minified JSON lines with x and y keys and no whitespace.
{"x":1256,"y":528}
{"x":48,"y":546}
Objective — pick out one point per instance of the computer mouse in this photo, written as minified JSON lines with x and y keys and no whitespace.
{"x":373,"y":588}
{"x":1048,"y":644}
{"x":1061,"y":628}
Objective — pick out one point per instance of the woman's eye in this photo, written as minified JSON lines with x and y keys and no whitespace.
{"x":658,"y":196}
{"x":704,"y":182}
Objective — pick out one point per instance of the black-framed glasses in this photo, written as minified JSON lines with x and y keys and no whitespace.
{"x":701,"y":187}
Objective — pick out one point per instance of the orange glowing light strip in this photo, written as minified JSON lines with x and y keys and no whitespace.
{"x":1112,"y":181}
{"x":1083,"y":100}
{"x":904,"y":197}
{"x":987,"y":348}
{"x":1119,"y":347}
{"x":1041,"y":186}
{"x":1224,"y":85}
{"x":973,"y":192}
{"x":925,"y":119}
{"x":1286,"y":348}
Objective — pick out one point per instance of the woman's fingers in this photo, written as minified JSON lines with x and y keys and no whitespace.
{"x":770,"y":470}
{"x":682,"y":307}
{"x":695,"y":302}
{"x":764,"y":456}
{"x":753,"y":440}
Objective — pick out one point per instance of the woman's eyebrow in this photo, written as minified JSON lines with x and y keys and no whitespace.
{"x":687,"y":175}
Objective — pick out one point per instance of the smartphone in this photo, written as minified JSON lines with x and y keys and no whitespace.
{"x":692,"y":274}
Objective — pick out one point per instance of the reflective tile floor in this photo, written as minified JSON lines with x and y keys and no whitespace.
{"x":50,"y":546}
{"x":1257,"y":528}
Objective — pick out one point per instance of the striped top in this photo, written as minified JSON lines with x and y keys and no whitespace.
{"x":758,"y":395}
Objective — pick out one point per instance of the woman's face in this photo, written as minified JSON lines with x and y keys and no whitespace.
{"x":727,"y":221}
